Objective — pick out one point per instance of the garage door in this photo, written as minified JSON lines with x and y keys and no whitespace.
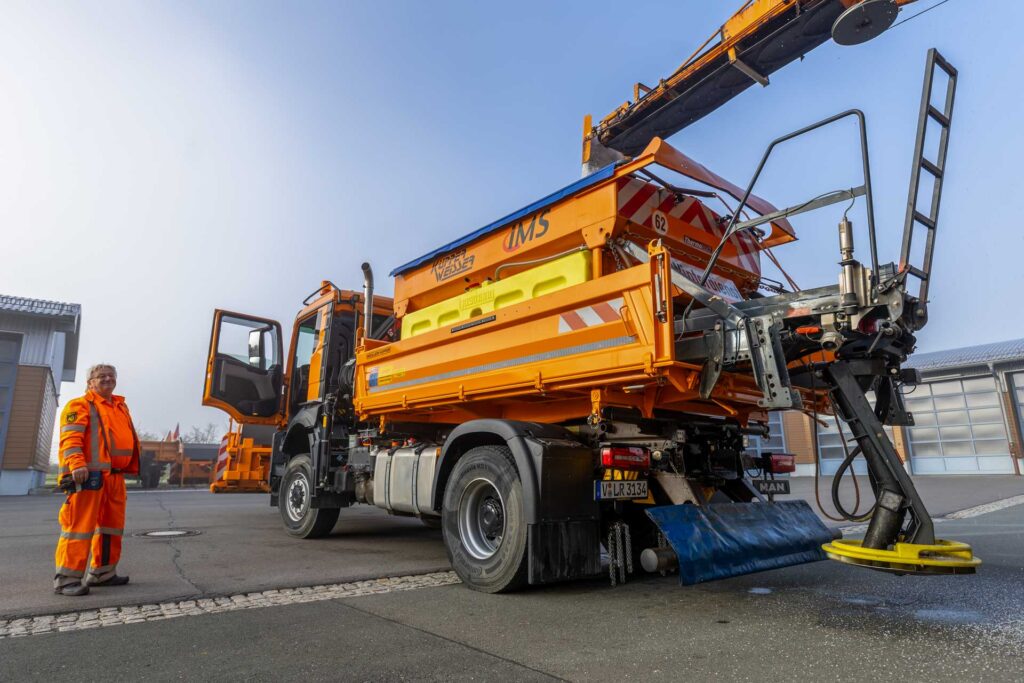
{"x":776,"y":440}
{"x":959,"y":428}
{"x":1017,"y":382}
{"x":10,"y":352}
{"x":830,"y":444}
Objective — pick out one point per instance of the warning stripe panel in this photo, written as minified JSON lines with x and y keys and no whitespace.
{"x":589,"y":316}
{"x":638,"y":200}
{"x":573,"y":321}
{"x":222,"y":455}
{"x":606,"y":312}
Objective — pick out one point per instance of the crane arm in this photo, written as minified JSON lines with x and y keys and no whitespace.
{"x":759,"y":39}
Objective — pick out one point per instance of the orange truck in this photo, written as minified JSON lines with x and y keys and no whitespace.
{"x":579,"y":379}
{"x":185,"y":464}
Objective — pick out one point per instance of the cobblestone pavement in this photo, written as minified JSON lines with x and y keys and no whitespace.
{"x":133,"y":614}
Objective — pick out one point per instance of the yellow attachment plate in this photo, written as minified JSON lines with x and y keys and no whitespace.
{"x":942,"y":557}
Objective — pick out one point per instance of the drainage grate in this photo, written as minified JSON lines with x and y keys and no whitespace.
{"x":166,"y":534}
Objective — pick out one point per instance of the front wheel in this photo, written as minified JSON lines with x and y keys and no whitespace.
{"x":484,"y":523}
{"x":301,"y":520}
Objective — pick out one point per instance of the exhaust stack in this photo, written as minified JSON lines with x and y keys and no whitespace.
{"x":367,"y":300}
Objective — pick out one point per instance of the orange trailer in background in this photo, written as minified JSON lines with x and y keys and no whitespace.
{"x":243,"y":460}
{"x":184,"y":464}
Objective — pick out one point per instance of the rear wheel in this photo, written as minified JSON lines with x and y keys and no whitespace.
{"x":484,"y":523}
{"x":150,"y":477}
{"x":301,"y":520}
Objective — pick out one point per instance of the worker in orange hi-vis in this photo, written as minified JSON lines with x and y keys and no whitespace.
{"x":98,"y":446}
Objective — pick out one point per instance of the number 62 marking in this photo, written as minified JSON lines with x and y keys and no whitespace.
{"x":660,"y":222}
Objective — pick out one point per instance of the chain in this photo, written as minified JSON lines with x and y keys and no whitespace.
{"x":611,"y":554}
{"x":619,"y":546}
{"x":619,"y":264}
{"x":620,"y":552}
{"x":629,"y":550}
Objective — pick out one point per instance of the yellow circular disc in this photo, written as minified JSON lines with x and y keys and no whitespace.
{"x":941,"y":557}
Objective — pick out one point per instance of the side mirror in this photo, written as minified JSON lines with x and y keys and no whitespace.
{"x":256,"y":357}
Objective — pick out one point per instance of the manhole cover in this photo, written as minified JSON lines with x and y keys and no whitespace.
{"x":166,"y":533}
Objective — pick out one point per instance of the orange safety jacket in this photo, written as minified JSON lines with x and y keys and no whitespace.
{"x":98,"y":434}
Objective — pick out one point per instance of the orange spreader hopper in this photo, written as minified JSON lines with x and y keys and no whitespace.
{"x":515,"y":361}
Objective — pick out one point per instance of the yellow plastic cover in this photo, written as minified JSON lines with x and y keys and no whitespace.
{"x":544,"y":279}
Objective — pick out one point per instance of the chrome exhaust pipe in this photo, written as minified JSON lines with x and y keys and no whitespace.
{"x":367,"y":300}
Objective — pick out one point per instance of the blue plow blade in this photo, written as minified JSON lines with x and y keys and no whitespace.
{"x":729,"y":539}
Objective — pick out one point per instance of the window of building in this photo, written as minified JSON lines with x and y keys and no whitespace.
{"x":1017,"y":382}
{"x":776,"y":440}
{"x":958,"y":427}
{"x":830,"y":445}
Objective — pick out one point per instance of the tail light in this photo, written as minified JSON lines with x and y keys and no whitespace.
{"x":626,"y":457}
{"x":781,"y":463}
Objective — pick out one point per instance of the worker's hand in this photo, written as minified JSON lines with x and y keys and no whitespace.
{"x":80,"y":475}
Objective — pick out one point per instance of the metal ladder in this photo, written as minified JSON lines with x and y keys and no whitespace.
{"x":936,"y":169}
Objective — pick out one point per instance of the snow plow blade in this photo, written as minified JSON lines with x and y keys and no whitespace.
{"x":720,"y":540}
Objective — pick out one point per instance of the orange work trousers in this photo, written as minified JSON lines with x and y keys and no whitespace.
{"x":91,"y":522}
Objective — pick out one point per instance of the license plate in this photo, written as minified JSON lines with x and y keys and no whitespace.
{"x":613,"y":490}
{"x":779,"y":486}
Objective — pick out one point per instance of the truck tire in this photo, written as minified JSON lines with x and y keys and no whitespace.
{"x":150,"y":477}
{"x":301,"y":520}
{"x":483,"y":521}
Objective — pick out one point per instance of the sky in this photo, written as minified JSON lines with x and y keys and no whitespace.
{"x":159,"y":160}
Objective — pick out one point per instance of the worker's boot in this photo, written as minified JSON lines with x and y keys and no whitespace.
{"x":69,"y":585}
{"x":72,"y":589}
{"x":114,"y":580}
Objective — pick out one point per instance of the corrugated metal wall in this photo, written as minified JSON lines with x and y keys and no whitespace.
{"x":46,"y":418}
{"x":37,"y":344}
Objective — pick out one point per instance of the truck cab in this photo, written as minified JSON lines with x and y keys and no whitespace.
{"x":304,"y":393}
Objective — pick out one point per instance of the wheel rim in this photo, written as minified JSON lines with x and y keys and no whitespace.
{"x":481,"y":519}
{"x":297,"y":500}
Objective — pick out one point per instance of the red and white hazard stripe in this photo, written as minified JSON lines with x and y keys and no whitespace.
{"x":639,"y":200}
{"x":222,"y":458}
{"x":588,"y":316}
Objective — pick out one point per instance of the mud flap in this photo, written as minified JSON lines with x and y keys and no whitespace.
{"x":720,"y":540}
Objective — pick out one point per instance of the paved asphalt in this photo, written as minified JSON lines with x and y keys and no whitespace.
{"x":817,"y":621}
{"x":241,"y":547}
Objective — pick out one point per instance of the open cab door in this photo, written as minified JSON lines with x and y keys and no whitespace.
{"x":244,"y":368}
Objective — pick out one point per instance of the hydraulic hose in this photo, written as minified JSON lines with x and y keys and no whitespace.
{"x":844,"y":515}
{"x":836,"y":480}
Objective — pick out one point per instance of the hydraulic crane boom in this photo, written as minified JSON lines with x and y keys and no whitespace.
{"x":759,"y":39}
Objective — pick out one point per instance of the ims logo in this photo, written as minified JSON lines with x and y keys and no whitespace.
{"x":521,"y":233}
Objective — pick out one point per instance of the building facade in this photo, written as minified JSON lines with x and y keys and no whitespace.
{"x":38,"y":351}
{"x":967,"y":411}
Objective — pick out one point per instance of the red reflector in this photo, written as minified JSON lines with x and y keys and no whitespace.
{"x":868,"y":326}
{"x":782,"y":463}
{"x":626,"y":458}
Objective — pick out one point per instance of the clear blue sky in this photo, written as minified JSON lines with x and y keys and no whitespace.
{"x":164,"y":159}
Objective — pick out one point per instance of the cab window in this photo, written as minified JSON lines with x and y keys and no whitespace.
{"x":307,"y":335}
{"x":252,"y":343}
{"x":245,"y":367}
